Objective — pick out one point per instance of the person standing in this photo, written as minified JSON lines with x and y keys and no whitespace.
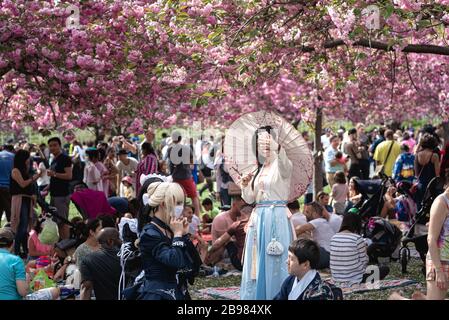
{"x":363,"y":145}
{"x":332,"y":165}
{"x":179,"y":158}
{"x":148,"y":163}
{"x":404,"y":167}
{"x":22,"y":190}
{"x":387,"y":152}
{"x":60,"y":174}
{"x":111,"y":165}
{"x":352,"y":150}
{"x":6,"y":166}
{"x":427,"y":165}
{"x":269,"y":231}
{"x":126,"y":166}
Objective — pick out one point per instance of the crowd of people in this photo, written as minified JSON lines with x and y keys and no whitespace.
{"x":135,"y":192}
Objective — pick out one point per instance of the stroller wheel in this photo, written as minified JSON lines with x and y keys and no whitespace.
{"x":404,"y":257}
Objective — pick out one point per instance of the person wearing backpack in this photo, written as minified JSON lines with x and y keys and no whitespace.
{"x":304,"y":282}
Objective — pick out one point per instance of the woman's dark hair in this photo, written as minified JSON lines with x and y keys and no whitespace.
{"x":91,"y":225}
{"x":259,"y":164}
{"x":145,"y":211}
{"x":147,"y":148}
{"x":428,"y":141}
{"x":306,"y":250}
{"x":340,"y":177}
{"x":19,"y":163}
{"x":356,"y":186}
{"x":351,"y":222}
{"x":93,"y":154}
{"x":107,"y":221}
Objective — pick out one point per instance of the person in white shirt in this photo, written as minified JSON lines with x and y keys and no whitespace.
{"x":297,"y":218}
{"x":325,"y":139}
{"x":321,"y":230}
{"x":44,"y":179}
{"x":126,"y":166}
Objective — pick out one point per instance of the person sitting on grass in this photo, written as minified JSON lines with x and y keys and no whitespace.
{"x":195,"y":236}
{"x":35,"y":247}
{"x":348,"y":256}
{"x":321,"y":230}
{"x":304,"y":282}
{"x":225,"y":242}
{"x":13,"y":284}
{"x":208,"y":216}
{"x":91,"y":230}
{"x":297,"y":218}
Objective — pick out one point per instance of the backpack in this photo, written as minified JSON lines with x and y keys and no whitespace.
{"x":405,"y":209}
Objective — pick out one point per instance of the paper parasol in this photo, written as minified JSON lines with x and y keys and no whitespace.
{"x":240,"y":156}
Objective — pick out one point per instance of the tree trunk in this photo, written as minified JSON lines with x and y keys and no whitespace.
{"x":318,"y":154}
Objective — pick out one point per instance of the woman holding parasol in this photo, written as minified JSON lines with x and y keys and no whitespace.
{"x":272,"y":164}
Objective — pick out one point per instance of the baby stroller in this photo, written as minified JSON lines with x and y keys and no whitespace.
{"x":372,"y":192}
{"x":90,"y":203}
{"x":385,"y":238}
{"x":434,"y":189}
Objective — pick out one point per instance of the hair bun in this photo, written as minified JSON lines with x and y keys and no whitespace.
{"x":152,"y":188}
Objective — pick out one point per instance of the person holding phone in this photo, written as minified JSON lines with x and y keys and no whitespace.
{"x":163,"y":243}
{"x":22,"y":200}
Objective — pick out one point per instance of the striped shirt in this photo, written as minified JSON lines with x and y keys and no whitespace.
{"x":348,"y":257}
{"x":146,"y":166}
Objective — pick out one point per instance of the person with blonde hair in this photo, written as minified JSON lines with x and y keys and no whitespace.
{"x":163,"y":243}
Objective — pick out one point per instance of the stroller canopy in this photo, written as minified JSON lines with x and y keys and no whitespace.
{"x":92,"y":203}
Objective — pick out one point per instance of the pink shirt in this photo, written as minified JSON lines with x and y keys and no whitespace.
{"x":44,"y":249}
{"x":340,"y":192}
{"x":221,"y":224}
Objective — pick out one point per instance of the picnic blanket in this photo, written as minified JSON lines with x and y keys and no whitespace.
{"x":232,"y":293}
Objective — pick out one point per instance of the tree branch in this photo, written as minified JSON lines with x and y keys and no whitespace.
{"x":412,"y":48}
{"x":409,"y":74}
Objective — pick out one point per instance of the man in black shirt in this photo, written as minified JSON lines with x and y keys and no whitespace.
{"x":101,"y":270}
{"x":60,"y":174}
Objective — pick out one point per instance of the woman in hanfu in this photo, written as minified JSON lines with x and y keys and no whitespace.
{"x":269,"y":232}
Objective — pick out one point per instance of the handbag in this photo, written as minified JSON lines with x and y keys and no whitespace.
{"x":274,"y":247}
{"x":416,"y":185}
{"x":381,"y":168}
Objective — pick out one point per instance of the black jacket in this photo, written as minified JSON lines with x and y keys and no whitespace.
{"x":162,"y":259}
